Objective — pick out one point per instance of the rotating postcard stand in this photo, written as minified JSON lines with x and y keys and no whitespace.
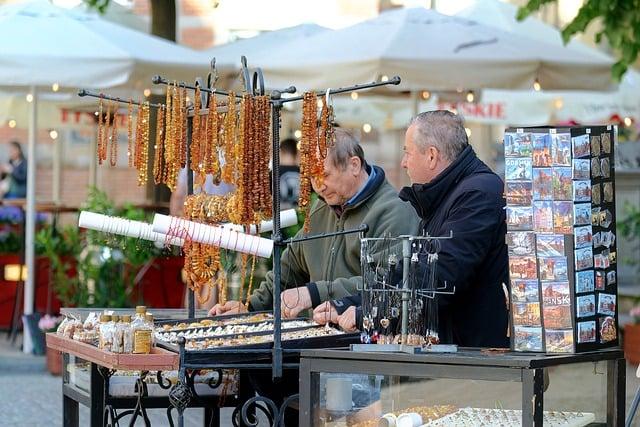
{"x":401,"y":297}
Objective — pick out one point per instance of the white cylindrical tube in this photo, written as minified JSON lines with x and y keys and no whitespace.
{"x":409,"y":419}
{"x":210,"y":235}
{"x":387,"y":420}
{"x":125,"y":227}
{"x":287,"y":219}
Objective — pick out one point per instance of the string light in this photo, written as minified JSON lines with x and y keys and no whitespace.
{"x":12,"y":123}
{"x":628,"y":121}
{"x":29,"y":97}
{"x":366,"y":128}
{"x":536,"y":85}
{"x":426,"y":94}
{"x":298,"y":134}
{"x":146,"y":93}
{"x":385,"y":78}
{"x":558,"y":103}
{"x":53,"y":134}
{"x":55,"y":87}
{"x":470,"y":96}
{"x":354,"y":95}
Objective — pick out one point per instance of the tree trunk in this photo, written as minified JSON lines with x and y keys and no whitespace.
{"x":163,"y":24}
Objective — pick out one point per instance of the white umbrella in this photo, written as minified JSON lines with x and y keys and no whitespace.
{"x":42,"y":45}
{"x":261,"y":46}
{"x":582,"y":106}
{"x":431,"y":51}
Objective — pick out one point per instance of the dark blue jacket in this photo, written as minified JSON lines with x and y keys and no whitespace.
{"x":467,"y":199}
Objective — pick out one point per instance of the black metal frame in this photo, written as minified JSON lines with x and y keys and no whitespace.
{"x":526,"y":368}
{"x":111,"y":410}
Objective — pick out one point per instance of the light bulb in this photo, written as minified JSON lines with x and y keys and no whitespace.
{"x":470,"y":96}
{"x":366,"y":128}
{"x":53,"y":134}
{"x":29,"y":97}
{"x":55,"y":87}
{"x":146,"y":93}
{"x":536,"y":86}
{"x":354,"y":95}
{"x":426,"y":94}
{"x":298,"y":134}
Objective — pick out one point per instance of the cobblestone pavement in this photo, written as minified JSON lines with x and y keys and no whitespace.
{"x":30,"y":396}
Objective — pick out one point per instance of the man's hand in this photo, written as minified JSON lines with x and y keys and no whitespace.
{"x":347,"y":320}
{"x":325,"y":313}
{"x":230,"y":307}
{"x":295,"y":300}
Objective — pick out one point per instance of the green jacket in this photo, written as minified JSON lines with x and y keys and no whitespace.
{"x":330,"y":267}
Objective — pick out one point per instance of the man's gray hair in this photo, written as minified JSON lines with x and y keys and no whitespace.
{"x":346,"y":146}
{"x":441,"y":129}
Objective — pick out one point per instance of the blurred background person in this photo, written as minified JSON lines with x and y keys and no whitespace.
{"x":289,"y":173}
{"x":14,"y":173}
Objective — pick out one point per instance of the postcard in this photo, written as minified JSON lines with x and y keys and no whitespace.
{"x":527,"y":338}
{"x":561,"y":149}
{"x":542,"y":149}
{"x":583,"y":237}
{"x":518,"y":169}
{"x":605,"y":218}
{"x":526,"y":314}
{"x":607,"y":304}
{"x":595,"y":145}
{"x":581,"y":169}
{"x":550,"y":245}
{"x":543,"y":216}
{"x":519,"y":218}
{"x":517,"y":144}
{"x":595,"y":216}
{"x":586,"y":331}
{"x":595,"y":168}
{"x":519,"y":193}
{"x":582,"y":214}
{"x":563,"y":217}
{"x":608,"y":330}
{"x":559,"y":341}
{"x":521,"y":243}
{"x":584,"y":281}
{"x":600,"y":280}
{"x":605,"y":167}
{"x":597,"y":240}
{"x":596,"y":198}
{"x":524,"y":291}
{"x":562,"y":183}
{"x":611,"y":277}
{"x":542,"y":184}
{"x":581,"y":147}
{"x":613,"y":257}
{"x":553,"y":269}
{"x":523,"y":267}
{"x":605,"y":140}
{"x":555,"y":293}
{"x":607,"y":190}
{"x":586,"y":306}
{"x":582,"y":191}
{"x":584,"y":258}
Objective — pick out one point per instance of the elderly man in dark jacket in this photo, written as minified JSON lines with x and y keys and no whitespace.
{"x":454,"y":191}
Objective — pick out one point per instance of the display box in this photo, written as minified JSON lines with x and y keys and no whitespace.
{"x":561,"y":236}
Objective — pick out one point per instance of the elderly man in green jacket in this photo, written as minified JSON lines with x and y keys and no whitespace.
{"x":351,"y":193}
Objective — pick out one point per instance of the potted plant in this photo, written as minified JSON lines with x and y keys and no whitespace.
{"x":46,"y":324}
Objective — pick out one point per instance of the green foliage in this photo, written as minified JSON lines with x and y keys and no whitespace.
{"x":629,"y":227}
{"x":620,"y":27}
{"x":99,"y":5}
{"x":91,"y":269}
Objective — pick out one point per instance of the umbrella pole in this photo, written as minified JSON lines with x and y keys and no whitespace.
{"x":30,"y":212}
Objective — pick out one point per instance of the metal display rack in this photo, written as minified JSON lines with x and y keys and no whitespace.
{"x":181,"y":394}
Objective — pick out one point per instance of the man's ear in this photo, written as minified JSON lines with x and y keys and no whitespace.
{"x":433,"y":156}
{"x":355,"y":165}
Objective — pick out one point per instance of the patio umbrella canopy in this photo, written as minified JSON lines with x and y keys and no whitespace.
{"x":41,"y":44}
{"x":431,"y":51}
{"x":587,"y":106}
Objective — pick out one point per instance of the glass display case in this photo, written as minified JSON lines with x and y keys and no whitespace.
{"x":468,"y":388}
